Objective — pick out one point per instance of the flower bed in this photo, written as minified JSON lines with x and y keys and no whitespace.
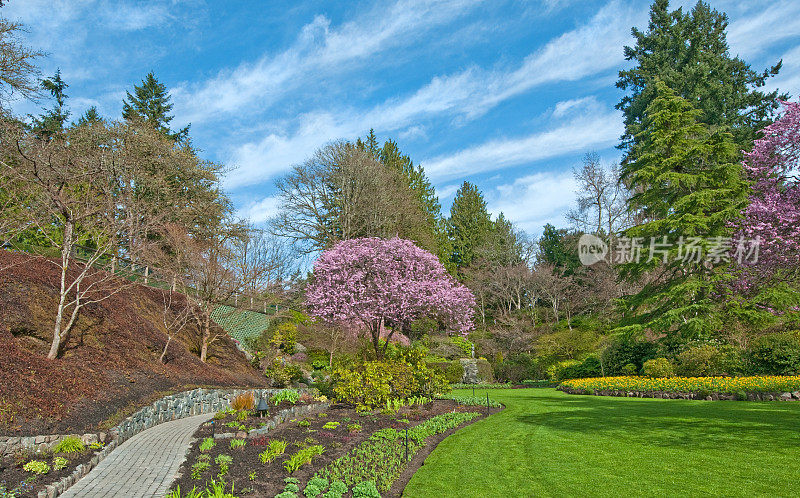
{"x":24,"y":474}
{"x":336,"y":453}
{"x":743,"y":387}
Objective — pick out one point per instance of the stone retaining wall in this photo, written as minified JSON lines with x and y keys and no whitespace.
{"x":172,"y":407}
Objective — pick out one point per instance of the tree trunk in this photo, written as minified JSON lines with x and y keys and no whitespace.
{"x":58,"y":331}
{"x":164,"y":353}
{"x":206,"y":337}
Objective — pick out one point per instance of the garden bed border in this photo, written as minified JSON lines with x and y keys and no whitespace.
{"x":171,"y":407}
{"x":714,"y":396}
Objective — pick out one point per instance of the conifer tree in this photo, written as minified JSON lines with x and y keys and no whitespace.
{"x":469,"y":225}
{"x":688,"y":184}
{"x":689,"y":52}
{"x":53,"y":120}
{"x":150,"y":102}
{"x":91,"y":116}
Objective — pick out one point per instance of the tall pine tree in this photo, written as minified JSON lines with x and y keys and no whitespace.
{"x":150,"y":102}
{"x":689,"y":52}
{"x":469,"y":225}
{"x":688,"y":184}
{"x":53,"y":120}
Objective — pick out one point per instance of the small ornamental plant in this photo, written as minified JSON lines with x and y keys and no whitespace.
{"x":70,"y":444}
{"x":36,"y":467}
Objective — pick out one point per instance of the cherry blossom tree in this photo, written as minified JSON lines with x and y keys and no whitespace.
{"x":773,"y":214}
{"x":392,"y":282}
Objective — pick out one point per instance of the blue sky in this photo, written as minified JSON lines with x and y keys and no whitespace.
{"x":506,"y":94}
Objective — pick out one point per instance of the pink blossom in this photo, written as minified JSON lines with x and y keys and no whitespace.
{"x":376,"y":281}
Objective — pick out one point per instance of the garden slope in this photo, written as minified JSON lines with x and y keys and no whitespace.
{"x":110,"y":363}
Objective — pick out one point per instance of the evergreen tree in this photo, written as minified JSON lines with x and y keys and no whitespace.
{"x":689,"y":186}
{"x":392,"y":157}
{"x":150,"y":102}
{"x":53,"y":120}
{"x":559,"y":248}
{"x":689,"y":52}
{"x":469,"y":225}
{"x":91,"y":116}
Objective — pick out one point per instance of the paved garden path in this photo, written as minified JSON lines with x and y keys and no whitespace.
{"x":144,"y":465}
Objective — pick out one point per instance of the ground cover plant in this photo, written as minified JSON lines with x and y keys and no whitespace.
{"x":727,"y":385}
{"x":548,"y":443}
{"x":345,"y":453}
{"x":24,"y":474}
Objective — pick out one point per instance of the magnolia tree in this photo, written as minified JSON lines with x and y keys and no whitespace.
{"x":379,"y":282}
{"x":773,"y":214}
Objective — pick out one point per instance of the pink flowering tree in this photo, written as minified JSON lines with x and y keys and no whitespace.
{"x":379,"y":282}
{"x":773,"y":214}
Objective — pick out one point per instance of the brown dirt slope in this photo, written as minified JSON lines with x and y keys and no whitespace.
{"x":109,"y":365}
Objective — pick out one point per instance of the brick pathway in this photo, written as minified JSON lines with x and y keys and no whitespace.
{"x":144,"y":465}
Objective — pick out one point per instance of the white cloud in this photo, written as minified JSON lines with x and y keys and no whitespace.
{"x":447,"y":191}
{"x":534,"y":200}
{"x":471,"y":92}
{"x":592,"y":128}
{"x":788,"y":80}
{"x":261,"y":211}
{"x":319,"y":50}
{"x":757,"y":30}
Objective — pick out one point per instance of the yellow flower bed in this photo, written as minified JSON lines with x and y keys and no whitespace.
{"x":728,"y":385}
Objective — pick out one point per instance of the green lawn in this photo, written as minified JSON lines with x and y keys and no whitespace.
{"x":549,"y":443}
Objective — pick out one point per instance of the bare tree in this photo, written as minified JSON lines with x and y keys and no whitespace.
{"x":218,"y":268}
{"x":18,"y":73}
{"x":601,"y":199}
{"x":343,"y":192}
{"x":71,"y":189}
{"x":175,"y":315}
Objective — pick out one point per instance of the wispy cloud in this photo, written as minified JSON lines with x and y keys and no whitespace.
{"x":319,"y":49}
{"x":261,"y":211}
{"x":760,"y":27}
{"x":532,"y":201}
{"x":592,"y":127}
{"x":469,"y":93}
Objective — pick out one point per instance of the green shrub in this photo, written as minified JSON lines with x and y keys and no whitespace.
{"x":624,"y":351}
{"x":373,"y":383}
{"x":485,"y":373}
{"x":338,"y":488}
{"x":775,"y":354}
{"x":274,"y":449}
{"x":224,"y":461}
{"x":237,"y":443}
{"x":740,"y":395}
{"x":199,"y":468}
{"x":464,"y":345}
{"x":302,"y":457}
{"x":365,"y":489}
{"x":290,"y":395}
{"x":707,"y":360}
{"x":516,"y":368}
{"x":285,"y":338}
{"x":575,"y":369}
{"x":59,"y":463}
{"x":207,"y":444}
{"x":702,"y":394}
{"x":69,"y":444}
{"x":658,"y":368}
{"x":36,"y":467}
{"x":331,"y":425}
{"x":283,"y":374}
{"x":453,"y":371}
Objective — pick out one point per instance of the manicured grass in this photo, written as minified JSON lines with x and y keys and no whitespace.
{"x":548,"y":443}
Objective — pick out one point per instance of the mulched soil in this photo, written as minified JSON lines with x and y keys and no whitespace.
{"x":269,"y":478}
{"x":13,"y":476}
{"x":109,"y":365}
